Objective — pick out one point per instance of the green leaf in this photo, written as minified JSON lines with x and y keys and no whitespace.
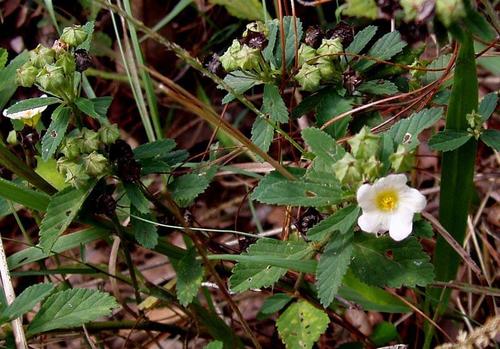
{"x":61,"y":211}
{"x":26,"y":301}
{"x":240,"y":83}
{"x":4,"y":55}
{"x":154,"y":150}
{"x":361,"y":8}
{"x":384,"y":262}
{"x":422,"y":228}
{"x":361,"y":39}
{"x":274,"y":303}
{"x":478,"y":24}
{"x":215,"y":345}
{"x":378,"y":87}
{"x":448,"y":140}
{"x":308,"y":104}
{"x":89,"y":29}
{"x":491,"y":138}
{"x":70,"y":308}
{"x":332,"y":267}
{"x":289,"y":30}
{"x":262,"y":133}
{"x":55,"y":132}
{"x":187,"y":187}
{"x":301,"y":325}
{"x":340,"y":221}
{"x":247,"y":275}
{"x":277,"y":190}
{"x":189,"y":277}
{"x":95,"y":107}
{"x":8,"y":78}
{"x":413,"y":125}
{"x":145,"y":233}
{"x":384,"y":48}
{"x":136,"y":197}
{"x":330,"y":106}
{"x":269,"y":51}
{"x":370,"y":297}
{"x":244,"y":9}
{"x":23,"y":195}
{"x":322,"y":145}
{"x":488,"y":105}
{"x":48,"y":171}
{"x":274,"y":105}
{"x":383,"y":333}
{"x":32,"y":103}
{"x":441,"y":62}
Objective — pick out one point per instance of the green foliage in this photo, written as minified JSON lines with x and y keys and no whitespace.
{"x":362,"y":39}
{"x":340,"y":221}
{"x":32,"y":103}
{"x":23,"y":195}
{"x":488,"y":105}
{"x":383,"y":333}
{"x":262,"y":133}
{"x":4,"y":56}
{"x":384,"y":262}
{"x":449,"y":140}
{"x":274,"y":105}
{"x":70,"y":308}
{"x":322,"y":145}
{"x":277,"y":190}
{"x":95,"y":107}
{"x":384,"y":48}
{"x":491,"y":138}
{"x":89,"y":30}
{"x":26,"y":301}
{"x":187,"y":187}
{"x":154,"y":150}
{"x":441,"y":62}
{"x":274,"y":304}
{"x":136,"y":197}
{"x":61,"y":211}
{"x":290,"y":40}
{"x":248,"y":275}
{"x":422,"y":228}
{"x":145,"y":232}
{"x":361,"y":8}
{"x":214,"y":345}
{"x":240,"y":83}
{"x":330,"y":105}
{"x":332,"y":266}
{"x":301,"y":325}
{"x":55,"y":132}
{"x":244,"y":9}
{"x":8,"y":78}
{"x":189,"y":277}
{"x":378,"y":87}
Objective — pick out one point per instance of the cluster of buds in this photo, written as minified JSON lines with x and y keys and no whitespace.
{"x":319,"y":56}
{"x":475,"y":121}
{"x":82,"y":154}
{"x":245,"y":52}
{"x":52,"y":68}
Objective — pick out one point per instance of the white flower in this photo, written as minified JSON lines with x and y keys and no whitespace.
{"x":25,"y":114}
{"x":389,"y":204}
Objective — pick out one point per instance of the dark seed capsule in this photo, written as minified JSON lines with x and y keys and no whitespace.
{"x":313,"y":36}
{"x":120,"y":150}
{"x":128,"y":170}
{"x":5,"y":173}
{"x":388,"y":6}
{"x":307,"y":220}
{"x":83,"y":60}
{"x":213,"y":64}
{"x":343,"y":31}
{"x":105,"y":204}
{"x":351,"y":80}
{"x":28,"y":137}
{"x":254,"y":40}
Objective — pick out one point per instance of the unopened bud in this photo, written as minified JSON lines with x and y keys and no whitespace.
{"x":228,"y":59}
{"x":109,"y":133}
{"x":26,"y":75}
{"x":73,"y":173}
{"x":347,"y":170}
{"x":330,"y":47}
{"x":74,"y":35}
{"x":95,"y":164}
{"x":308,"y":77}
{"x":327,"y":69}
{"x":67,"y":62}
{"x":12,"y":137}
{"x":89,"y":141}
{"x":306,"y":54}
{"x":70,"y":148}
{"x":371,"y":168}
{"x":42,"y":56}
{"x":51,"y":77}
{"x":365,"y":144}
{"x":402,"y":160}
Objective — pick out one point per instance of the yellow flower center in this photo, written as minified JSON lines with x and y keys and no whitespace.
{"x":387,"y":200}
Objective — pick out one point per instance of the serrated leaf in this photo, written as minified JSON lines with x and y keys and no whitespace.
{"x":61,"y":211}
{"x":341,"y":221}
{"x":413,"y":125}
{"x":244,"y":9}
{"x":247,"y":275}
{"x":277,"y":190}
{"x":95,"y":107}
{"x":441,"y":62}
{"x":155,"y":150}
{"x":240,"y":83}
{"x":309,"y":103}
{"x":145,"y":233}
{"x":262,"y":133}
{"x":32,"y":103}
{"x":136,"y":197}
{"x":361,"y":8}
{"x":274,"y":303}
{"x":332,"y":267}
{"x":289,"y":30}
{"x":323,"y":145}
{"x":384,"y":262}
{"x":491,"y":138}
{"x":422,"y":228}
{"x":488,"y":105}
{"x":330,"y":106}
{"x":4,"y":55}
{"x":301,"y":325}
{"x":268,"y":51}
{"x":361,"y":39}
{"x":70,"y":308}
{"x":189,"y":277}
{"x":8,"y":78}
{"x":55,"y":132}
{"x":89,"y":29}
{"x":187,"y":187}
{"x":384,"y":48}
{"x":383,"y":333}
{"x":448,"y":140}
{"x":26,"y":301}
{"x":378,"y":87}
{"x":274,"y":105}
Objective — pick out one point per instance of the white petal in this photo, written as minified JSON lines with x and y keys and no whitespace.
{"x":373,"y":222}
{"x":396,"y":181}
{"x":413,"y":200}
{"x":364,"y":197}
{"x":401,"y":224}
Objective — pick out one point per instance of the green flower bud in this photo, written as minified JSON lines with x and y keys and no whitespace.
{"x":109,"y":133}
{"x":73,"y":173}
{"x":402,"y":160}
{"x":26,"y":75}
{"x":248,"y":58}
{"x":41,"y":56}
{"x":67,"y":62}
{"x":12,"y":137}
{"x":365,"y":144}
{"x":95,"y":164}
{"x":59,"y":47}
{"x":475,"y":121}
{"x":330,"y":47}
{"x":450,"y":11}
{"x":71,"y":148}
{"x":51,"y":77}
{"x":89,"y":141}
{"x":73,"y":36}
{"x":371,"y":168}
{"x":257,"y":27}
{"x":308,"y":77}
{"x":306,"y":53}
{"x":347,"y":170}
{"x":228,"y":60}
{"x":327,"y":69}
